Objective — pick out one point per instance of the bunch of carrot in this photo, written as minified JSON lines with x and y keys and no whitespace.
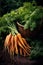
{"x":16,"y":44}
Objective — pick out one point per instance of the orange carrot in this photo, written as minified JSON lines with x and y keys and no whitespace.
{"x":20,"y":39}
{"x":28,"y":47}
{"x":22,"y":47}
{"x":26,"y":43}
{"x":12,"y":46}
{"x":20,"y":51}
{"x":7,"y":40}
{"x":16,"y":44}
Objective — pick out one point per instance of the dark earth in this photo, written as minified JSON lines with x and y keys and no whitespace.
{"x":18,"y":60}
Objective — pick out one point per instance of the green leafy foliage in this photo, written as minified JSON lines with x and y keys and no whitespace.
{"x":34,"y":19}
{"x":7,"y":25}
{"x":25,"y":11}
{"x":30,"y":16}
{"x":37,"y":49}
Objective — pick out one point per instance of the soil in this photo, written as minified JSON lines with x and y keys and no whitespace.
{"x":18,"y":60}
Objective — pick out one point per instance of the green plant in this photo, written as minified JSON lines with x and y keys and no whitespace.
{"x":37,"y":49}
{"x":7,"y":25}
